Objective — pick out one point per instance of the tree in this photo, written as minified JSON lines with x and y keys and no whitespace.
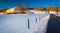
{"x":22,"y":8}
{"x":0,"y":11}
{"x":36,"y":9}
{"x":48,"y":8}
{"x":56,"y":8}
{"x":59,"y":11}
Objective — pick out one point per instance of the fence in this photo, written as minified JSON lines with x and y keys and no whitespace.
{"x":19,"y":23}
{"x":36,"y":20}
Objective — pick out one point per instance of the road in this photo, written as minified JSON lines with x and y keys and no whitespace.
{"x":53,"y":24}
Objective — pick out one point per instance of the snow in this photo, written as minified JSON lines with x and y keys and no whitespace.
{"x":55,"y":13}
{"x":42,"y":25}
{"x":18,"y":23}
{"x":37,"y":12}
{"x":59,"y":13}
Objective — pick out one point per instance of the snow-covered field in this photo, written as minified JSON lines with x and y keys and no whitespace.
{"x":18,"y":23}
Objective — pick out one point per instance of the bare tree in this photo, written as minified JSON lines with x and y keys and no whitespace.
{"x":56,"y":6}
{"x":22,"y":8}
{"x":48,"y":8}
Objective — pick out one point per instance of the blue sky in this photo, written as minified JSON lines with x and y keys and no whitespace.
{"x":30,"y":3}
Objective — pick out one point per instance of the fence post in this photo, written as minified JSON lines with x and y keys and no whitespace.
{"x":28,"y":24}
{"x":39,"y":18}
{"x":36,"y":20}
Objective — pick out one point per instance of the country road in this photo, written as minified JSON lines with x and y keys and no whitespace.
{"x":53,"y":24}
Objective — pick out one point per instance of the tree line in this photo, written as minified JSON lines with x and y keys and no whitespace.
{"x":22,"y":8}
